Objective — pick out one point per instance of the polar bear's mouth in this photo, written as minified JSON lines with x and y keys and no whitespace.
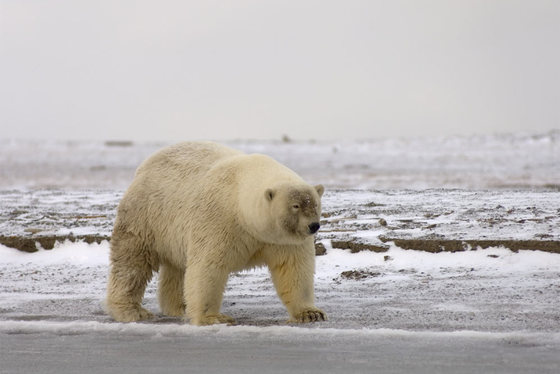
{"x":299,"y":227}
{"x":306,"y":231}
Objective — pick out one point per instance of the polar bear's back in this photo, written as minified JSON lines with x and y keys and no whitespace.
{"x":167,"y":186}
{"x":185,"y":160}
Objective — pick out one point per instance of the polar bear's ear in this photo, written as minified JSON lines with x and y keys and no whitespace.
{"x":269,"y":194}
{"x":320,"y":189}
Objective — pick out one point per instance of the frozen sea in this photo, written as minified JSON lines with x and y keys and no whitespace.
{"x":394,"y":311}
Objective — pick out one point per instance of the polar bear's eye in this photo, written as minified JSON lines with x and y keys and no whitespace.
{"x":295,"y":206}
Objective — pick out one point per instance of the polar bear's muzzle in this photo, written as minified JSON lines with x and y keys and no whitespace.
{"x":313,"y":227}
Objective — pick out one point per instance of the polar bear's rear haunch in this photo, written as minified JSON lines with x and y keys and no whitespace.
{"x":197,"y":212}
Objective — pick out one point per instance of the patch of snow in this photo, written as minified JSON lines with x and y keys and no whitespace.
{"x":490,"y":259}
{"x":66,"y":253}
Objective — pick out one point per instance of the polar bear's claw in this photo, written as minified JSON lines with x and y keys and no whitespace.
{"x":132,"y":315}
{"x":310,"y":315}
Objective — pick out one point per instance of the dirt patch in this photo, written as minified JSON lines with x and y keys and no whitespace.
{"x":449,"y":245}
{"x":119,"y":143}
{"x":358,"y":247}
{"x":320,"y":249}
{"x":47,"y":242}
{"x":31,"y":244}
{"x":359,"y":274}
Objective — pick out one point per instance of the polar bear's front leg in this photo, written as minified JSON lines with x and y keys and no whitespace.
{"x":292,"y":274}
{"x":204,"y":289}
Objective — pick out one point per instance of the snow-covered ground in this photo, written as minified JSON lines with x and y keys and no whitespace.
{"x":355,"y":215}
{"x":491,"y":310}
{"x":477,"y":311}
{"x":485,"y":290}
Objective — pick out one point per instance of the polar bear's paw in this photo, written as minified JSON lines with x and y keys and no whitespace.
{"x":213,"y":320}
{"x":309,"y":315}
{"x":132,"y":315}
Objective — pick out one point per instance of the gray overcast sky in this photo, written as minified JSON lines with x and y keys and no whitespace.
{"x":176,"y":70}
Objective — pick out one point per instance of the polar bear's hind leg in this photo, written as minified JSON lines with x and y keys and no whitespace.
{"x":131,"y":270}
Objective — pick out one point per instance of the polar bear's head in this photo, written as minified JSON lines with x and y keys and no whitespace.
{"x":294,"y":212}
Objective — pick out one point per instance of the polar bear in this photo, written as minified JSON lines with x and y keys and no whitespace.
{"x":198,"y":211}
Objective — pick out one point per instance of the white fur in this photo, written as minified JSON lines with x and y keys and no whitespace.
{"x":199,"y":211}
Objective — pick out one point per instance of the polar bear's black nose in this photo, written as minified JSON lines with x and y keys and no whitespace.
{"x":314,"y":227}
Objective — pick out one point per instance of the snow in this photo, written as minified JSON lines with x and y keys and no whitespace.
{"x":67,"y":283}
{"x":78,"y":254}
{"x":475,"y":162}
{"x":476,"y":311}
{"x":404,"y":310}
{"x":492,"y":260}
{"x":348,"y":214}
{"x":242,"y":332}
{"x":445,"y":213}
{"x":83,"y":254}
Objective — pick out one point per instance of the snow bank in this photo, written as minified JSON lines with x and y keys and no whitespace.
{"x":274,"y":333}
